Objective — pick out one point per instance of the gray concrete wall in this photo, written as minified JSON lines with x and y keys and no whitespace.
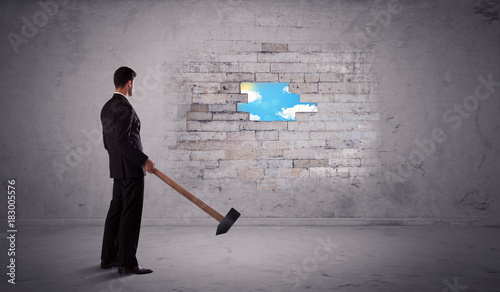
{"x":407,"y":122}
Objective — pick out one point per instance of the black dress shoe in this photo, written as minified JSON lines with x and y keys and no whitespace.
{"x":138,"y":270}
{"x":106,"y":266}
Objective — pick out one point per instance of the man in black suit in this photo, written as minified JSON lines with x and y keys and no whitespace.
{"x":128,"y":166}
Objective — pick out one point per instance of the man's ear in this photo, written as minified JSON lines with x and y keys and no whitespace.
{"x":129,"y":83}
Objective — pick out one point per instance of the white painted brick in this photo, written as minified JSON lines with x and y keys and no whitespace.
{"x":236,"y":116}
{"x":298,"y":154}
{"x":242,"y":135}
{"x":266,"y":77}
{"x":231,"y":46}
{"x":237,"y":97}
{"x":196,"y":136}
{"x":231,"y":145}
{"x":331,"y":77}
{"x":269,"y":154}
{"x":272,"y":173}
{"x":295,"y":173}
{"x":229,"y":107}
{"x":241,"y":57}
{"x":207,"y":155}
{"x":199,"y":116}
{"x":267,"y":135}
{"x":309,"y":144}
{"x":263,"y":126}
{"x":300,"y":88}
{"x":273,"y":47}
{"x":308,"y":163}
{"x":295,"y":47}
{"x":311,"y":77}
{"x":240,"y":154}
{"x":317,"y":97}
{"x":332,"y":154}
{"x":250,"y":173}
{"x":212,"y":126}
{"x":273,"y":57}
{"x":318,"y":116}
{"x":293,"y":135}
{"x":240,"y":77}
{"x":209,"y":98}
{"x":341,"y":126}
{"x":285,"y":144}
{"x":281,"y":163}
{"x":300,"y":67}
{"x":206,"y":88}
{"x":291,"y":77}
{"x":254,"y":67}
{"x":311,"y":126}
{"x":219,"y":173}
{"x":230,"y":87}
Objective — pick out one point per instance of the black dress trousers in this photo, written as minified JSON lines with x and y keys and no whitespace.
{"x":123,"y":222}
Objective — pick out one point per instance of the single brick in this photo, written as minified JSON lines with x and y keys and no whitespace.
{"x":298,"y":154}
{"x":230,"y":87}
{"x":254,"y":67}
{"x":285,"y":144}
{"x":250,"y":173}
{"x":321,"y":172}
{"x":317,"y":97}
{"x":212,"y":126}
{"x":273,"y":184}
{"x":311,"y":126}
{"x":266,"y":77}
{"x":199,"y":116}
{"x":274,"y":47}
{"x":266,"y":135}
{"x":293,"y":135}
{"x":279,"y":163}
{"x":311,"y":77}
{"x":272,"y":57}
{"x":269,"y":154}
{"x":235,"y":116}
{"x":240,"y":154}
{"x":295,"y":173}
{"x":207,"y":155}
{"x":206,"y":87}
{"x":209,"y":98}
{"x":307,"y":163}
{"x":240,"y":77}
{"x":196,"y":136}
{"x":265,"y":126}
{"x":242,"y":135}
{"x":237,"y":97}
{"x":199,"y":108}
{"x":303,"y":87}
{"x":291,"y":77}
{"x":203,"y":77}
{"x":229,"y":107}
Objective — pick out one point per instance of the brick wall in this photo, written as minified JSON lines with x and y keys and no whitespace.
{"x":334,"y":143}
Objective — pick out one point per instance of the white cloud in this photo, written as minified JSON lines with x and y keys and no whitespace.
{"x":253,"y":96}
{"x":289,"y":113}
{"x":254,"y":117}
{"x":286,"y":89}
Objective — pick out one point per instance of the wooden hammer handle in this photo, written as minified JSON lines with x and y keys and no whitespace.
{"x":216,"y":215}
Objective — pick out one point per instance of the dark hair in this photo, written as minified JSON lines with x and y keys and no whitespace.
{"x":122,"y":76}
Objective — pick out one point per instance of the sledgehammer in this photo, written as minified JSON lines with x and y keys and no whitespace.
{"x":224,"y":222}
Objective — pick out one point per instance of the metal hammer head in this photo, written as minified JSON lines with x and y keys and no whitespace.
{"x":227,"y":222}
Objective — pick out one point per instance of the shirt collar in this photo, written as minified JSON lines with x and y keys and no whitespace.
{"x":116,"y":92}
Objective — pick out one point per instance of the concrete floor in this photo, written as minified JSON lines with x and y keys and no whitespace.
{"x":263,"y":258}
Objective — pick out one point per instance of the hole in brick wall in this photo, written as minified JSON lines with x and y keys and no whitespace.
{"x":272,"y":102}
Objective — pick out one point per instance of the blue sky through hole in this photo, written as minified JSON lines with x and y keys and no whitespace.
{"x":272,"y":102}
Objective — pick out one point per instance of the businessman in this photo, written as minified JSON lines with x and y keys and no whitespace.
{"x":128,"y":166}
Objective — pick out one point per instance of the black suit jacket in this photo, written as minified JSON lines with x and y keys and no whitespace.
{"x":121,"y":126}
